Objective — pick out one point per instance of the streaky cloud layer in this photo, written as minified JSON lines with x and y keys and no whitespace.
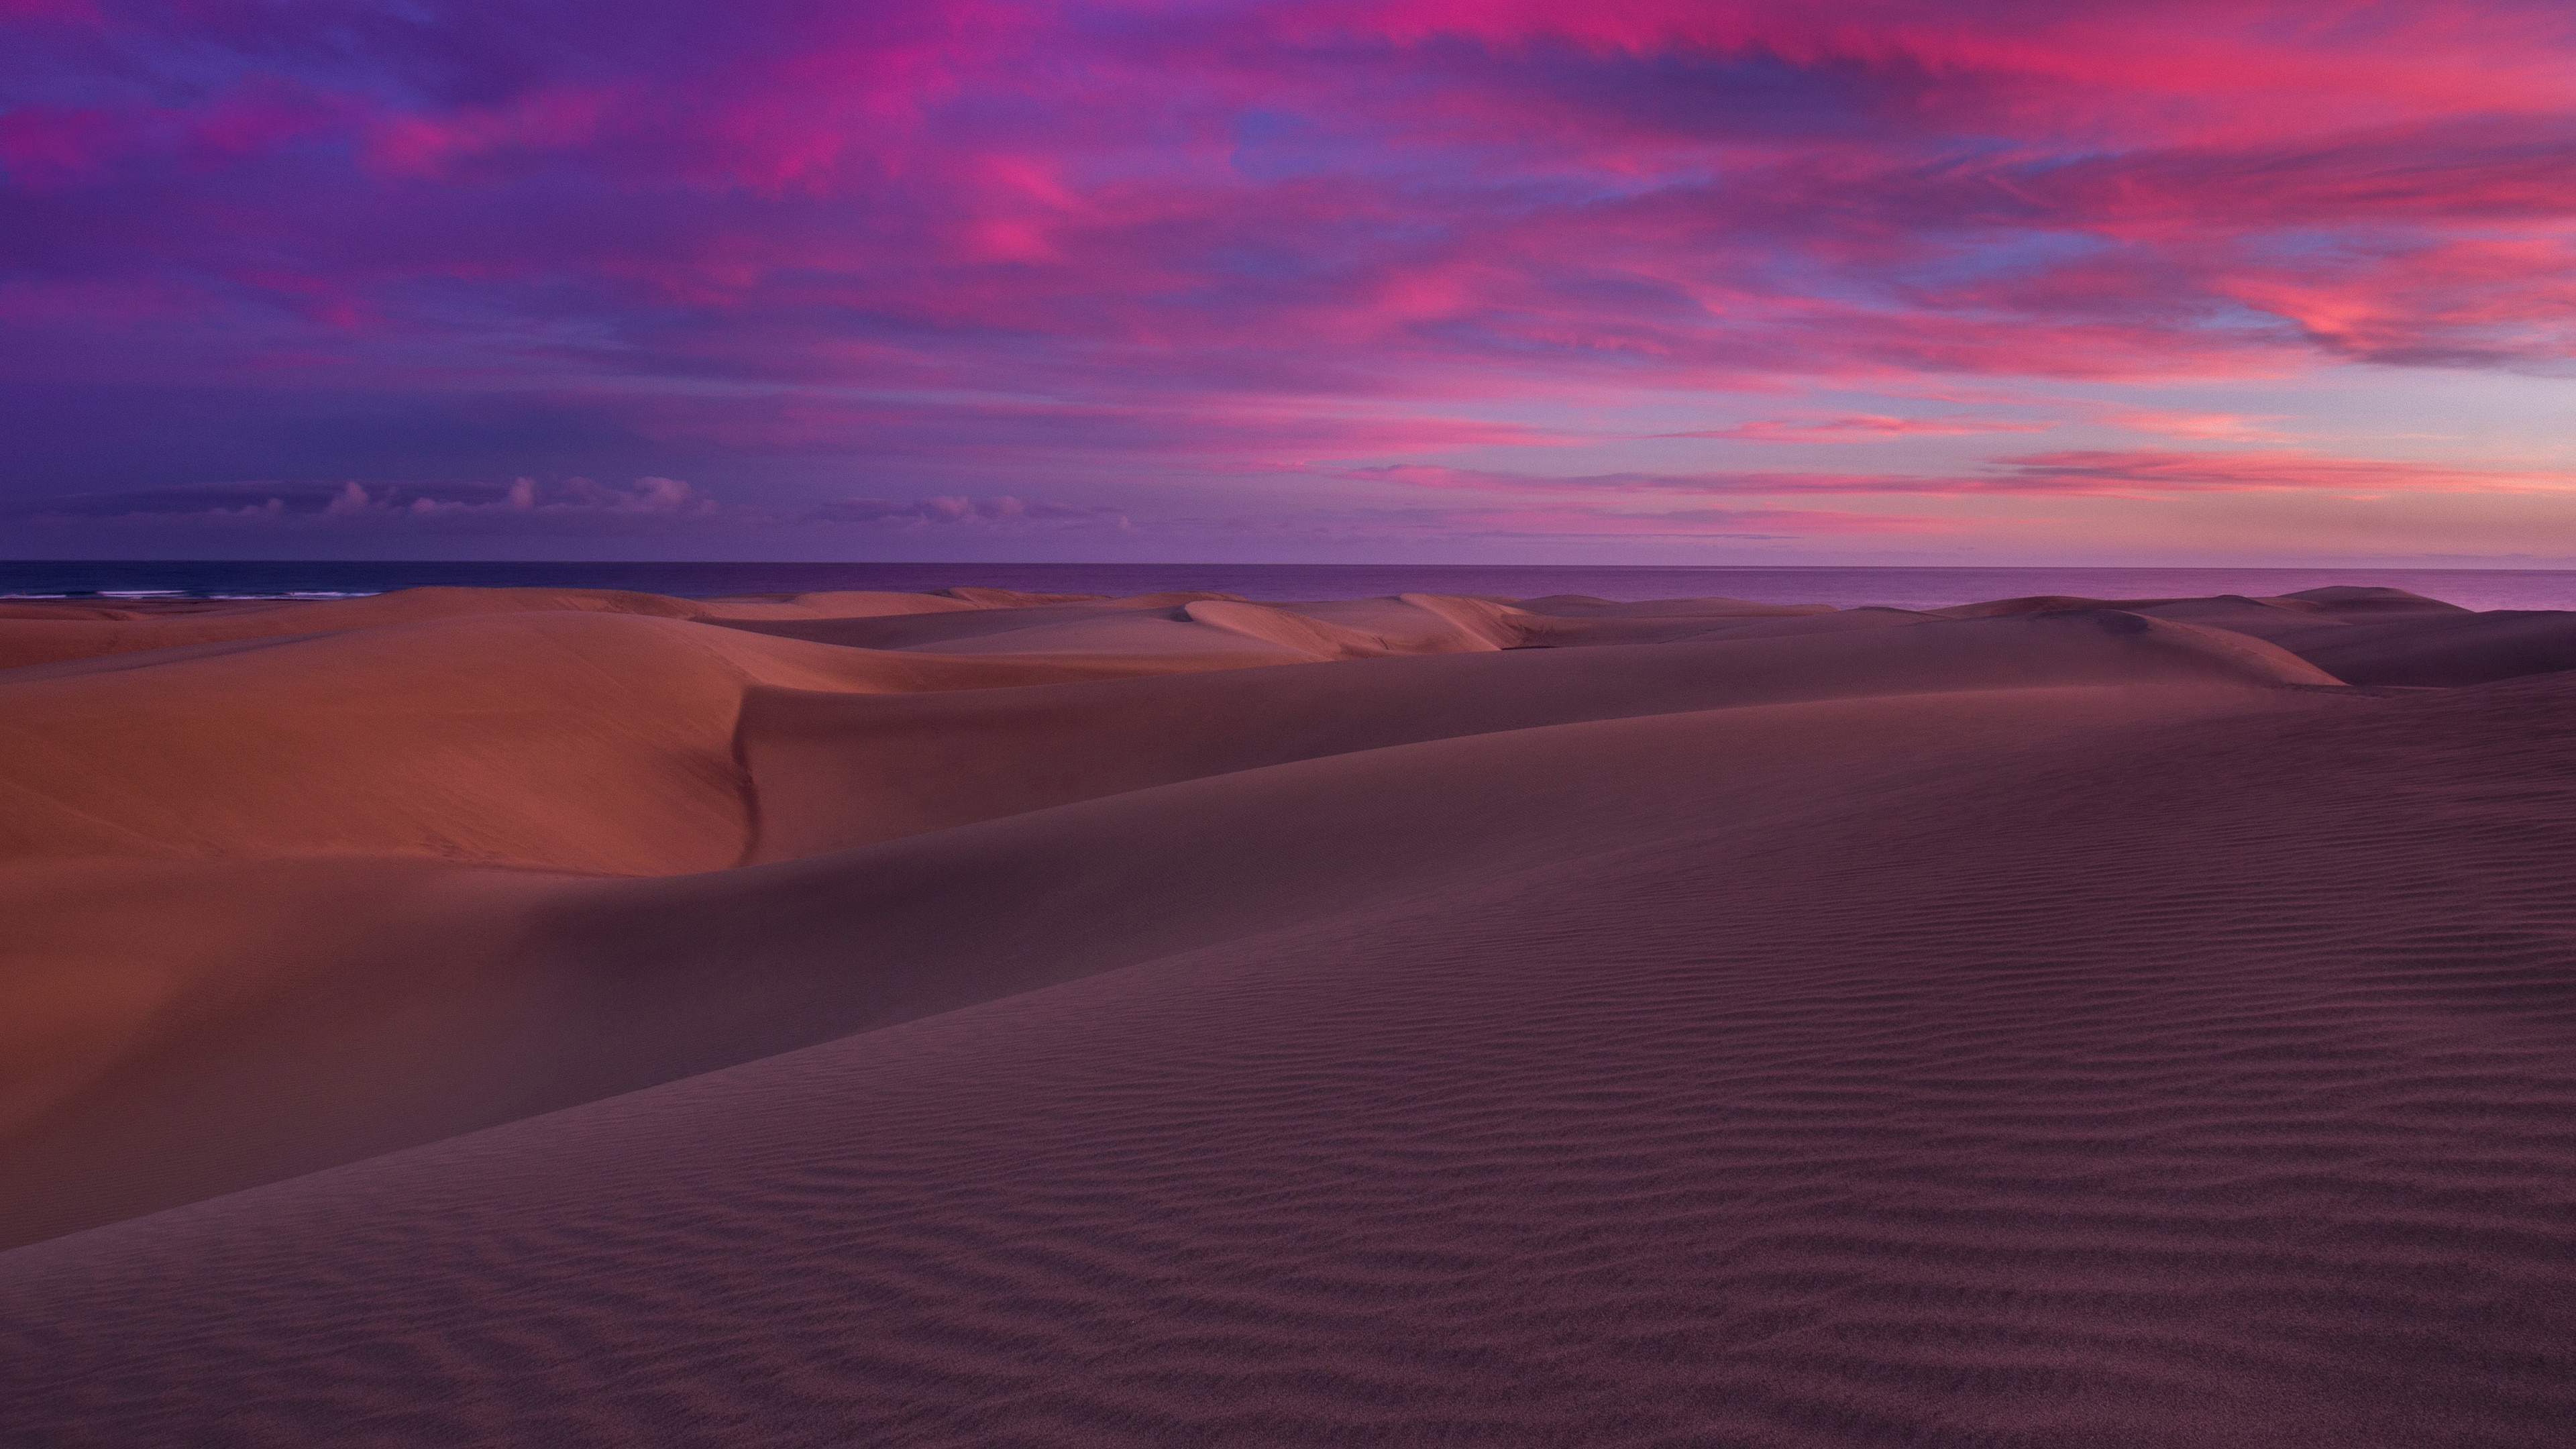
{"x":1246,"y":278}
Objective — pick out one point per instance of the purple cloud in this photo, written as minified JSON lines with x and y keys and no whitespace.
{"x":1155,"y":249}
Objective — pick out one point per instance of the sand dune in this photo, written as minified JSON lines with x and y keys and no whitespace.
{"x":986,"y":1018}
{"x":1214,"y":624}
{"x":2439,"y":650}
{"x":40,"y":633}
{"x":834,"y":770}
{"x":596,"y":741}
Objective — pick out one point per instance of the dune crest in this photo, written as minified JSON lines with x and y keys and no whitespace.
{"x":44,"y":633}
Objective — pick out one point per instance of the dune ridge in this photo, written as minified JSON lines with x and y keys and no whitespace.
{"x":978,"y":1018}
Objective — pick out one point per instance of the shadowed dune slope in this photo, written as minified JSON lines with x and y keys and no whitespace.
{"x":2344,"y":603}
{"x":832,"y":771}
{"x":1186,"y":622}
{"x":2395,"y":641}
{"x":1580,"y":606}
{"x":2167,"y":1066}
{"x":2440,"y":650}
{"x":2361,"y":636}
{"x":1539,"y":632}
{"x":326,"y":1009}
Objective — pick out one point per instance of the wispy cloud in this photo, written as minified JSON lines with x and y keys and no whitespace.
{"x":1684,"y":524}
{"x":354,"y":499}
{"x":2214,"y":427}
{"x":1860,"y":428}
{"x":2142,"y":470}
{"x":2125,"y":473}
{"x":944,"y":511}
{"x":648,"y":238}
{"x":570,"y":502}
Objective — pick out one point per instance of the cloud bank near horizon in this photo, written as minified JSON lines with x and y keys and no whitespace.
{"x":2211,"y":277}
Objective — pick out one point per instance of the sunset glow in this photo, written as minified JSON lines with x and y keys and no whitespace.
{"x":1640,"y":280}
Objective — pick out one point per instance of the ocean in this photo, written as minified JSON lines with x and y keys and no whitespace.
{"x":1843,"y":587}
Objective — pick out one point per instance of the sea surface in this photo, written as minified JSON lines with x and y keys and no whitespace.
{"x":1843,"y":587}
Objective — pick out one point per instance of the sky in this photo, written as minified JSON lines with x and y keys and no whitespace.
{"x":1625,"y":281}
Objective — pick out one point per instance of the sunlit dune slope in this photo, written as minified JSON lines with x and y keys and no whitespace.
{"x":599,"y":741}
{"x":36,"y":633}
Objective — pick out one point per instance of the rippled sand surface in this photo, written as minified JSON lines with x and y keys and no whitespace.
{"x":560,"y":1017}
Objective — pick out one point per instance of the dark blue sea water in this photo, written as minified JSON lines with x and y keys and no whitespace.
{"x":1903,"y":587}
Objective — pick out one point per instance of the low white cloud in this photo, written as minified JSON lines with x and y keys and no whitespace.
{"x":956,"y":510}
{"x":569,"y":505}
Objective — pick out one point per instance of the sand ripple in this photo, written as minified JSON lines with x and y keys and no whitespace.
{"x":2136,"y":1044}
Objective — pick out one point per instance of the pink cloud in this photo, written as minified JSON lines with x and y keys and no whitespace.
{"x":2215,"y":427}
{"x":1859,"y":429}
{"x":1276,"y":438}
{"x":2143,"y":470}
{"x":55,"y":146}
{"x":1201,"y":241}
{"x":562,"y":118}
{"x":1100,"y":223}
{"x":2216,"y":70}
{"x":1497,"y":481}
{"x":1690,"y":523}
{"x":2136,"y":472}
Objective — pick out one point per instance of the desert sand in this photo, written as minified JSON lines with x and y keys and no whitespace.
{"x":562,"y":1018}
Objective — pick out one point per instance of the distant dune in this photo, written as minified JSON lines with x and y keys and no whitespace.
{"x":557,"y":1017}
